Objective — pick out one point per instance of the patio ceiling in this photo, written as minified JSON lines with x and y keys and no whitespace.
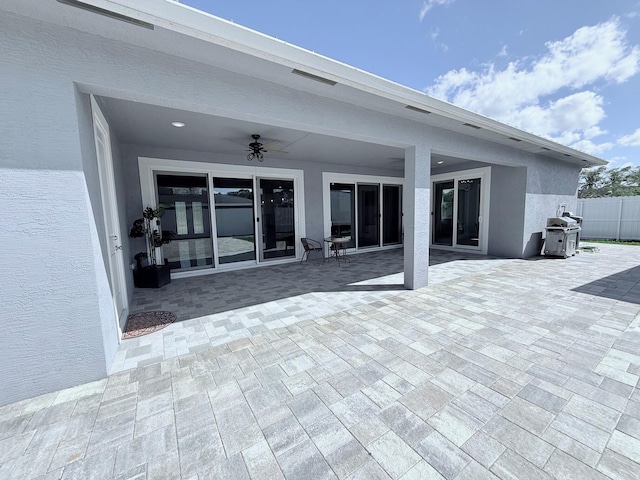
{"x":144,"y":124}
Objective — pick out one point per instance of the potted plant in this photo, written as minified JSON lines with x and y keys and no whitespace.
{"x":148,"y":227}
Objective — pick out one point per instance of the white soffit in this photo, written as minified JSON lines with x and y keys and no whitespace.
{"x":187,"y":32}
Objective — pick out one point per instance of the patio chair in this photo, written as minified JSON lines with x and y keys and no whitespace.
{"x":311,"y":247}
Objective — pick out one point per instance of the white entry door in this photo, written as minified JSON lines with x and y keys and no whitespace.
{"x":113,"y":241}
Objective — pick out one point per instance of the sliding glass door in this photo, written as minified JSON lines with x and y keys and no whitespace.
{"x":343,"y":211}
{"x":368,"y":215}
{"x":186,"y":214}
{"x":369,"y":211}
{"x":223,"y":216}
{"x":468,"y":212}
{"x":443,"y":213}
{"x":233,"y":199}
{"x":460,"y":209}
{"x":391,"y":214}
{"x":276,"y":221}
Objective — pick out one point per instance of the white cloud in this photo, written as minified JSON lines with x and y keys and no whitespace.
{"x":523,"y":93}
{"x":632,"y":140}
{"x":503,"y":51}
{"x":429,"y":4}
{"x":619,"y":162}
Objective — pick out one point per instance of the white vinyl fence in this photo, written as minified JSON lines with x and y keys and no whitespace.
{"x":610,"y":218}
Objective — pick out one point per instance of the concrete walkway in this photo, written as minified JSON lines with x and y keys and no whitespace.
{"x":512,"y":369}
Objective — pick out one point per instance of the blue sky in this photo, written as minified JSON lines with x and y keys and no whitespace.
{"x":568,"y":70}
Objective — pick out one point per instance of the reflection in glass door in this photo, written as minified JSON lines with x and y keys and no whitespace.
{"x":443,"y":213}
{"x":233,"y":200}
{"x":277,"y":219}
{"x":468,"y":230}
{"x":391,"y":214}
{"x":187,"y":215}
{"x":343,"y":211}
{"x":368,"y":215}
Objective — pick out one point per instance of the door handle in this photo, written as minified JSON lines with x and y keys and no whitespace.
{"x":115,"y":237}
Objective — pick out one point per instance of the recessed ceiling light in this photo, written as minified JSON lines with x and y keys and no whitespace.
{"x":440,"y":162}
{"x":178,"y":124}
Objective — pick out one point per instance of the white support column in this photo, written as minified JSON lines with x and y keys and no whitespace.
{"x":417,"y":215}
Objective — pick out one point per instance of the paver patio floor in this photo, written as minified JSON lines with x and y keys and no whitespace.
{"x":506,"y":369}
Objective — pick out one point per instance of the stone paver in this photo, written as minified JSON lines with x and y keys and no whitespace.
{"x":506,"y":369}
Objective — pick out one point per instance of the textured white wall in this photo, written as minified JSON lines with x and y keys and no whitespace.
{"x":549,"y":184}
{"x":50,"y":318}
{"x":506,"y":222}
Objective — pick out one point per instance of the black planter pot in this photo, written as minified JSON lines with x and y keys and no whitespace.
{"x":152,"y":276}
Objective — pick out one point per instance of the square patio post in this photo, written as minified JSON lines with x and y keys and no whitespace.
{"x":416,"y":200}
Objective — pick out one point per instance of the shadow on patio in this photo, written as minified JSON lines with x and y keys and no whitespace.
{"x":380,"y":271}
{"x":623,"y":286}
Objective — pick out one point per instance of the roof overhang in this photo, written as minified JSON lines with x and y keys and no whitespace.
{"x":168,"y":26}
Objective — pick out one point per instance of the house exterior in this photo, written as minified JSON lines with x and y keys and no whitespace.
{"x":89,"y":92}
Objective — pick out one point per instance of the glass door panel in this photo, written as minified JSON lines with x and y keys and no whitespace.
{"x":277,"y":219}
{"x":443,"y":213}
{"x":368,"y":215}
{"x":233,"y":200}
{"x":187,"y":215}
{"x":468,"y":230}
{"x":343,"y":211}
{"x":391,"y":214}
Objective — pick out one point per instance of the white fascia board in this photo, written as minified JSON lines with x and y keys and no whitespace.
{"x":185,"y":20}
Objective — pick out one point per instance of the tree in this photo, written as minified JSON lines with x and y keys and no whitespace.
{"x":591,"y":182}
{"x":616,"y":182}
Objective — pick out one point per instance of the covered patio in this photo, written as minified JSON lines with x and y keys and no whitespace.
{"x":217,"y":309}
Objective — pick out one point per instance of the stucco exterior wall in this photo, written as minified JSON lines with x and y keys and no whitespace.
{"x":52,"y":291}
{"x":549,"y":185}
{"x":506,"y":221}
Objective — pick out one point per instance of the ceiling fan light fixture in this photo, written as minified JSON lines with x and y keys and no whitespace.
{"x":258,"y":156}
{"x":256,"y":151}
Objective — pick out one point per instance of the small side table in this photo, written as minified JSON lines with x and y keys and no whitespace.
{"x":338,"y":248}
